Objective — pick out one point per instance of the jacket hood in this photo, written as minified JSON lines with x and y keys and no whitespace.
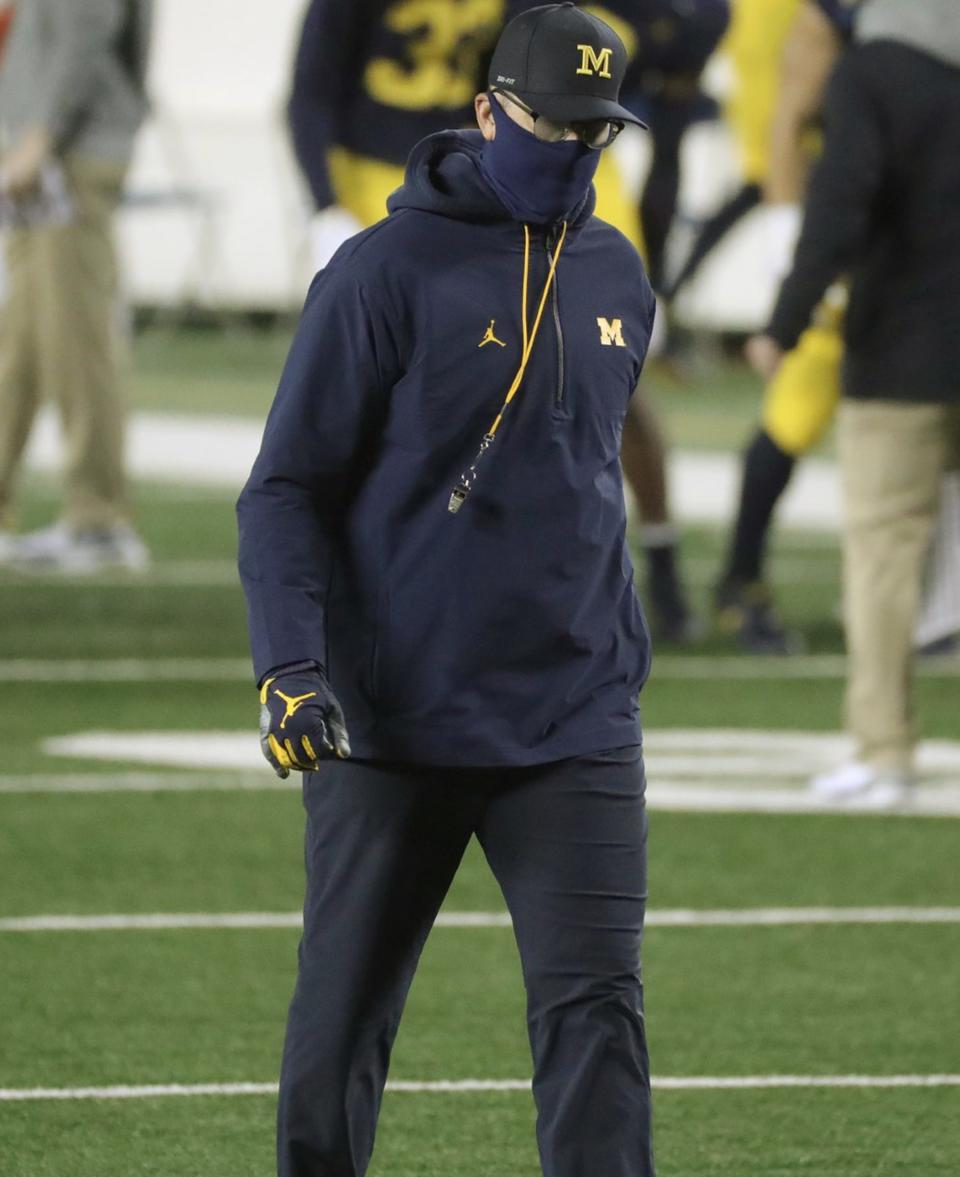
{"x":932,"y":26}
{"x":443,"y":176}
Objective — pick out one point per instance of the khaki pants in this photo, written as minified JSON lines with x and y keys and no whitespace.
{"x":60,"y":341}
{"x":892,"y":459}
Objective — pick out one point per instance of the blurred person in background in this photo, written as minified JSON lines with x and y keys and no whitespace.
{"x":6,"y":16}
{"x":884,"y":205}
{"x":668,"y":43}
{"x":800,"y":400}
{"x":71,"y":100}
{"x":371,"y":79}
{"x":433,"y":537}
{"x":754,"y":46}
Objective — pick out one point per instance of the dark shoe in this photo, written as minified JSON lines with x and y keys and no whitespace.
{"x":63,"y":548}
{"x":670,"y":614}
{"x":944,"y":647}
{"x":746,"y":612}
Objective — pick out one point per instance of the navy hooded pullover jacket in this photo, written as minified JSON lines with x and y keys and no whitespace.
{"x":510,"y":633}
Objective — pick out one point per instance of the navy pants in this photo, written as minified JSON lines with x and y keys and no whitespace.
{"x":567,"y":844}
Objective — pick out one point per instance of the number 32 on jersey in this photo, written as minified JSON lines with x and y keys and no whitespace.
{"x":444,"y":44}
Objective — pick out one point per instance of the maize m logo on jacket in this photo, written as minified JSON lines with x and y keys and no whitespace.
{"x":611,"y":332}
{"x":592,"y":62}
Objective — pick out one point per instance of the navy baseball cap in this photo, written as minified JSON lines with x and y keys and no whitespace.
{"x":563,"y":63}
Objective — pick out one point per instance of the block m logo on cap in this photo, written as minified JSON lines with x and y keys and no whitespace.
{"x":611,"y":332}
{"x":593,"y":62}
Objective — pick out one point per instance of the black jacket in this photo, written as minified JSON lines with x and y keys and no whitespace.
{"x":509,"y":633}
{"x":884,"y":206}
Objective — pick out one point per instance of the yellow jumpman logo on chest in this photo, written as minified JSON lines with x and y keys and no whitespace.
{"x":490,"y":337}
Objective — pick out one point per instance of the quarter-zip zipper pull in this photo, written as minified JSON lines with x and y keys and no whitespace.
{"x":557,"y":326}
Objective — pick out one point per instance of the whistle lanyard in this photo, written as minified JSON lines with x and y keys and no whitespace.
{"x":458,"y":495}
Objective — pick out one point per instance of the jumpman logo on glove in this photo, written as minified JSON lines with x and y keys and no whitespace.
{"x":303,"y":723}
{"x":293,"y":705}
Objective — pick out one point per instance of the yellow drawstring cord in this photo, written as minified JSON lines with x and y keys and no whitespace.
{"x":465,"y":485}
{"x":526,"y":276}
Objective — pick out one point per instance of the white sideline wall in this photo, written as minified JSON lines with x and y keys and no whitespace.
{"x":216,"y":213}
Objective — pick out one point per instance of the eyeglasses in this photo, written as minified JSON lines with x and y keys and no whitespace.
{"x":595,"y":133}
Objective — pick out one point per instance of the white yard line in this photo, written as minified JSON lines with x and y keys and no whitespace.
{"x":27,"y":670}
{"x":475,"y":1086}
{"x":152,"y":921}
{"x":178,"y":574}
{"x":146,"y":782}
{"x":667,"y":918}
{"x":147,"y":1091}
{"x":697,"y":795}
{"x":195,"y":449}
{"x":748,"y":1082}
{"x":727,"y":770}
{"x":166,"y":573}
{"x":215,"y":573}
{"x":678,"y":752}
{"x":805,"y":666}
{"x":694,"y":795}
{"x":791,"y":916}
{"x":665,"y":667}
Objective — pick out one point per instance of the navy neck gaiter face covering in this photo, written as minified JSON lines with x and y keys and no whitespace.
{"x":537,"y":182}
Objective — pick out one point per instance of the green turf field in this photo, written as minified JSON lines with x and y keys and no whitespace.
{"x":139,"y":1007}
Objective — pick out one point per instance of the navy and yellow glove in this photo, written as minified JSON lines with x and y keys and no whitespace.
{"x":301,"y":722}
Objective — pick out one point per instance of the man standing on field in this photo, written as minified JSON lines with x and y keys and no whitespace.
{"x":432,"y":548}
{"x":883,"y":207}
{"x":72,"y":98}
